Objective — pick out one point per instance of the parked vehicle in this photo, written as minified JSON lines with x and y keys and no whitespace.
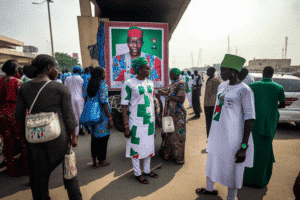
{"x":291,"y":85}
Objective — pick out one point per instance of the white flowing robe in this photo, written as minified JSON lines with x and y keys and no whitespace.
{"x":74,"y":83}
{"x":226,"y":135}
{"x":138,"y":94}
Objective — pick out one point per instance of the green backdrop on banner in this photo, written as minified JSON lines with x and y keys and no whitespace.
{"x":119,"y":36}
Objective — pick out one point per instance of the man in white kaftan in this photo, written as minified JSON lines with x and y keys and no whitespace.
{"x":139,"y":96}
{"x":74,"y":83}
{"x":226,"y":135}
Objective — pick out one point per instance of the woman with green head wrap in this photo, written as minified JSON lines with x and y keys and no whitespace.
{"x":139,"y":119}
{"x":173,"y":144}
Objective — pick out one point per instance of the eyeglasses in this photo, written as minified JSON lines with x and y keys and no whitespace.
{"x":136,"y":42}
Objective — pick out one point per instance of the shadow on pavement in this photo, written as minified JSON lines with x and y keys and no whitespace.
{"x":86,"y":174}
{"x":247,"y":193}
{"x":208,"y":197}
{"x":127,"y":187}
{"x":287,"y":131}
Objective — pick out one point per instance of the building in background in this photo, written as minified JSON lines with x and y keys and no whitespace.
{"x":8,"y":51}
{"x":279,"y":65}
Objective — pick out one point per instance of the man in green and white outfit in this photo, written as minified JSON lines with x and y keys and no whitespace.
{"x":138,"y":107}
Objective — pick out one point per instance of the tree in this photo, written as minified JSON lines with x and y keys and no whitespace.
{"x":65,"y":61}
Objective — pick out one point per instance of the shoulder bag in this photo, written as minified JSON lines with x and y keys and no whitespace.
{"x":167,"y":121}
{"x":91,"y":114}
{"x":41,"y":127}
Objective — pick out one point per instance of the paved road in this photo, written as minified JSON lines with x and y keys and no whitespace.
{"x":176,"y":181}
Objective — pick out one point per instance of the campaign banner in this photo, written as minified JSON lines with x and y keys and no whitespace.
{"x":125,"y":41}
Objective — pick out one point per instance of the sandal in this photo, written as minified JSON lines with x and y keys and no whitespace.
{"x":95,"y":166}
{"x":152,"y":175}
{"x":143,"y":180}
{"x":103,"y":164}
{"x":204,"y":191}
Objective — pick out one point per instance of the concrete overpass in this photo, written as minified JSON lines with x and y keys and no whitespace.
{"x":163,"y":11}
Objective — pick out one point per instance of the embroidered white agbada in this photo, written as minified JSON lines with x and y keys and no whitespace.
{"x":74,"y":83}
{"x":138,"y":94}
{"x":226,"y":135}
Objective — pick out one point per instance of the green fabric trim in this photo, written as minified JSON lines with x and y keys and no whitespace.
{"x":141,"y":90}
{"x":128,"y":91}
{"x":141,"y":110}
{"x":151,"y":128}
{"x":132,"y":152}
{"x":128,"y":113}
{"x":134,"y":139}
{"x":147,"y":102}
{"x":149,"y":89}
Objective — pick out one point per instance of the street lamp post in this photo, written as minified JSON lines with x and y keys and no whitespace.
{"x":48,"y":1}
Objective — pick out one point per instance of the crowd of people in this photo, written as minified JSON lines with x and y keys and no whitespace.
{"x":241,"y":118}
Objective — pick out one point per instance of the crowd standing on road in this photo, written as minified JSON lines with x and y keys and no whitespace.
{"x":244,"y":111}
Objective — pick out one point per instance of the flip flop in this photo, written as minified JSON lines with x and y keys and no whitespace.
{"x":104,"y":164}
{"x":204,"y":191}
{"x":152,"y":175}
{"x":95,"y":166}
{"x":144,"y":181}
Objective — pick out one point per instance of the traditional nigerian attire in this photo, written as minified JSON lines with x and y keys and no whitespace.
{"x":100,"y":134}
{"x":85,"y":78}
{"x":267,"y":94}
{"x":122,"y":64}
{"x":74,"y":83}
{"x":12,"y":131}
{"x":173,"y":144}
{"x":189,"y":84}
{"x":139,"y":96}
{"x":24,"y":78}
{"x":226,"y":135}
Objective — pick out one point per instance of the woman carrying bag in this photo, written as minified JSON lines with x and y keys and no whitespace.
{"x":173,"y":144}
{"x":100,"y":132}
{"x":39,"y":98}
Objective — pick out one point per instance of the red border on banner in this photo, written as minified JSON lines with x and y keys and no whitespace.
{"x":138,"y":24}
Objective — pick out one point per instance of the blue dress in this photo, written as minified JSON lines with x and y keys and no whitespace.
{"x":85,"y":78}
{"x":101,"y":129}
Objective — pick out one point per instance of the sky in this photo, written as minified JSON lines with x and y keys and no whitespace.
{"x":256,"y":29}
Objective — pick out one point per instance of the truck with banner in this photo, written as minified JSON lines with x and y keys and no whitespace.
{"x":118,"y":43}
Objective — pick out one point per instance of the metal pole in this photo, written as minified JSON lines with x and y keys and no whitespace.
{"x":50,"y":28}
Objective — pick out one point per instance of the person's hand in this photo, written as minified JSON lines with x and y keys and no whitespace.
{"x":111,"y":123}
{"x":127,"y":132}
{"x":162,"y":92}
{"x":240,"y":156}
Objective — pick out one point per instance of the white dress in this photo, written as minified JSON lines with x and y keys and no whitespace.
{"x":138,"y":94}
{"x":74,"y":83}
{"x":226,"y":135}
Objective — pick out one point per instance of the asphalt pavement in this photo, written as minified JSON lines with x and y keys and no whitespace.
{"x":175,"y":181}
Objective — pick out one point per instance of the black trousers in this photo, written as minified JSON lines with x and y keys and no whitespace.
{"x":196,"y":101}
{"x":43,"y":159}
{"x":99,"y":147}
{"x":209,"y":112}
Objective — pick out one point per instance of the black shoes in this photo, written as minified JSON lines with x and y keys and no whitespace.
{"x":81,"y":131}
{"x":194,"y":118}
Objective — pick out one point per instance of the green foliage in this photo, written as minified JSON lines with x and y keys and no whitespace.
{"x":65,"y":61}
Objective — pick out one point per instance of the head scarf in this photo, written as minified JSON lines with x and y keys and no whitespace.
{"x":176,"y":71}
{"x":76,"y":68}
{"x":137,"y":63}
{"x":233,"y":62}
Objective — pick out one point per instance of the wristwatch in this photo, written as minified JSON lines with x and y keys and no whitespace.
{"x":244,"y":146}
